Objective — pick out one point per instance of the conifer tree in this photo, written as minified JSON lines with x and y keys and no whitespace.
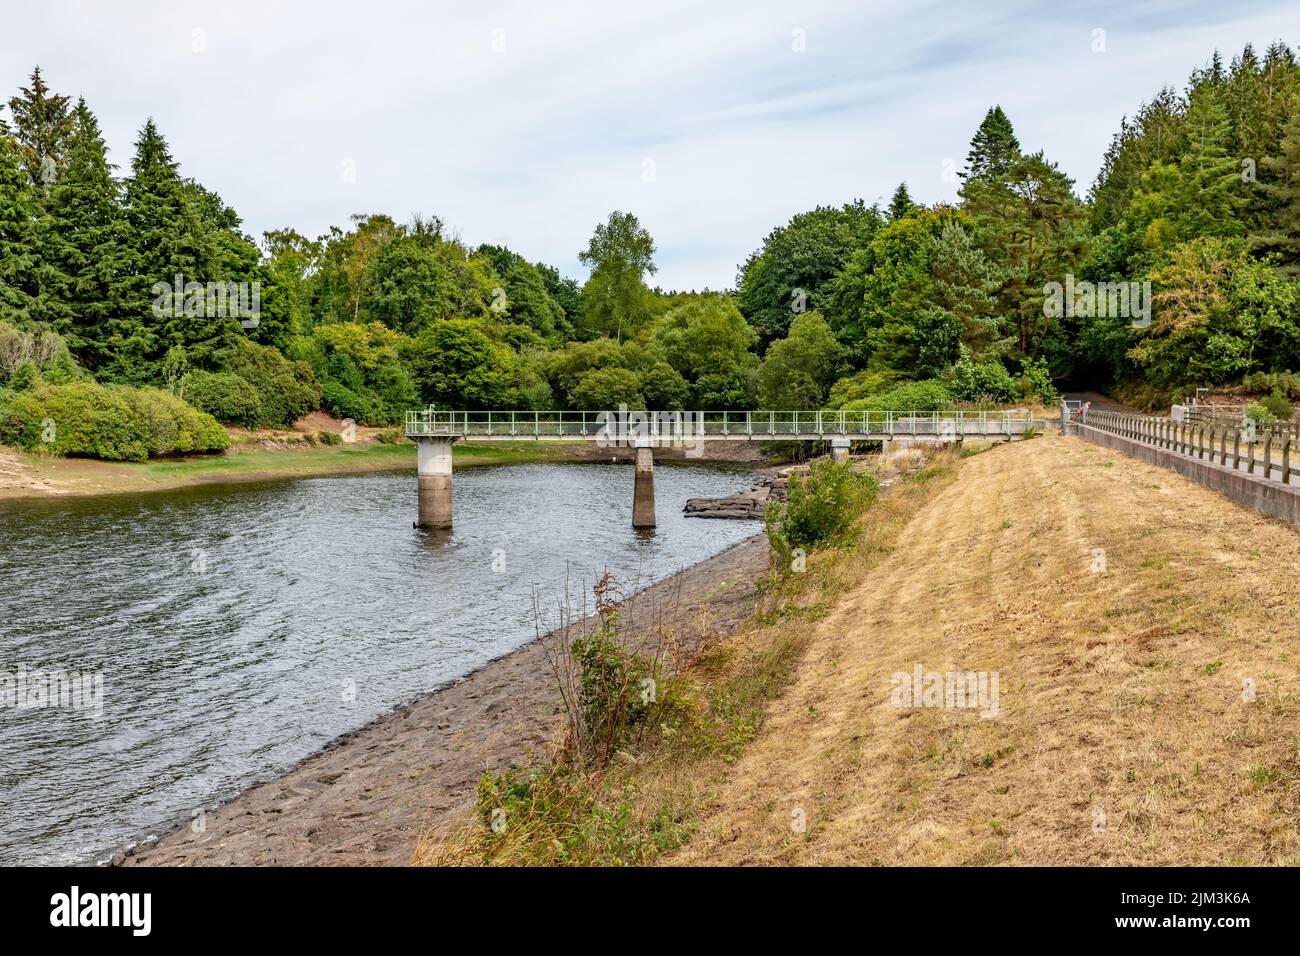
{"x":964,"y":286}
{"x":1210,"y":191}
{"x":993,"y":147}
{"x":166,"y":240}
{"x":84,"y":244}
{"x":901,"y":204}
{"x":1282,"y":186}
{"x":43,"y":126}
{"x":18,"y":259}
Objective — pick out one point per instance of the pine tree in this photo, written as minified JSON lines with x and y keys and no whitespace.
{"x":84,"y":243}
{"x":901,"y":204}
{"x":993,"y":147}
{"x":964,"y":286}
{"x":43,"y":127}
{"x":1210,"y":192}
{"x":165,"y":239}
{"x":18,"y":259}
{"x":1282,"y":186}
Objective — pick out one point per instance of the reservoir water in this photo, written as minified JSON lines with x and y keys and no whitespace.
{"x":239,"y":628}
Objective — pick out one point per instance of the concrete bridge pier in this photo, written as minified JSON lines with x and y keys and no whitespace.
{"x":839,"y":449}
{"x":434,"y":477}
{"x":643,"y":493}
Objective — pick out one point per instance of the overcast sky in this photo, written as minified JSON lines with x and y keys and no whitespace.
{"x":527,"y":123}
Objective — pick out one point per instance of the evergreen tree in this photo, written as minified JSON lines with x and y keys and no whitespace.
{"x":1283,"y":188}
{"x":84,"y":244}
{"x":43,"y":127}
{"x":1029,"y":222}
{"x":18,"y":254}
{"x":901,"y":204}
{"x":1211,"y":191}
{"x":166,"y":240}
{"x":964,"y":286}
{"x":993,"y":147}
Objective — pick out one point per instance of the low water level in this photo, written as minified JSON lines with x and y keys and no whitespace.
{"x":239,"y":628}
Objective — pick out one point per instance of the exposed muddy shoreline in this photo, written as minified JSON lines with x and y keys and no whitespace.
{"x":367,"y":796}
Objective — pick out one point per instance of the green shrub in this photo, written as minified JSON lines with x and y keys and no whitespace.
{"x":607,"y":389}
{"x":820,"y":509}
{"x":395,"y":392}
{"x":287,"y":390}
{"x":927,"y":396}
{"x":1036,"y":382}
{"x":342,"y":402}
{"x":1278,"y":405}
{"x":664,"y":388}
{"x":173,"y":427}
{"x":861,"y":385}
{"x":115,"y":423}
{"x":970,"y":381}
{"x":390,"y":436}
{"x":41,"y":349}
{"x":225,"y":396}
{"x":329,"y":438}
{"x":1259,"y":413}
{"x":1286,"y":382}
{"x":24,"y":377}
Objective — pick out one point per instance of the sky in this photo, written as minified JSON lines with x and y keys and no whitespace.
{"x":526,"y":124}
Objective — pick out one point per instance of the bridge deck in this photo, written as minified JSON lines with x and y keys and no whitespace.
{"x":718,"y":426}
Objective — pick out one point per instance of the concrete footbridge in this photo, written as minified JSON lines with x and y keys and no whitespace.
{"x":435,"y":430}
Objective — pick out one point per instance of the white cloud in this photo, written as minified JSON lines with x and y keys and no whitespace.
{"x":535,"y":143}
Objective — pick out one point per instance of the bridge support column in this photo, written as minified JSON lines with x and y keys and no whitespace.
{"x":434,"y":477}
{"x":643,"y":494}
{"x":839,"y":449}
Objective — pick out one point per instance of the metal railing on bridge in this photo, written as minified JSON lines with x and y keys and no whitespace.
{"x":752,"y":425}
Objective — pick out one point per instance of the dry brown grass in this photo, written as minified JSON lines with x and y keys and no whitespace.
{"x":648,"y":801}
{"x":1122,"y":690}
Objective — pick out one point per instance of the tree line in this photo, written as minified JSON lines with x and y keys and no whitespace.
{"x":107,"y":287}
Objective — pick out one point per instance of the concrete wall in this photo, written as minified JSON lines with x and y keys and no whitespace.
{"x":1255,"y":491}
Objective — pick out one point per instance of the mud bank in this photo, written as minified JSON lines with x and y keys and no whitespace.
{"x":366,"y":798}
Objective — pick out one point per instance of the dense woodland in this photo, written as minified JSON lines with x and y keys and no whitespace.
{"x":853,"y":306}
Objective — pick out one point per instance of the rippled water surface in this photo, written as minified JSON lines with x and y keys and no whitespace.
{"x":239,"y":628}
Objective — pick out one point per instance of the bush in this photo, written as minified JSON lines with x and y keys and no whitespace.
{"x":664,"y":388}
{"x":970,"y":381}
{"x":115,"y":423}
{"x":41,"y":350}
{"x":225,"y":396}
{"x":394,"y":391}
{"x":1036,"y":382}
{"x":927,"y":396}
{"x":390,"y":436}
{"x":1288,"y":383}
{"x":1278,"y":405}
{"x":342,"y":402}
{"x":820,"y":509}
{"x":537,"y":397}
{"x":1259,"y":413}
{"x":861,"y":385}
{"x":173,"y":427}
{"x":607,"y":389}
{"x":329,"y":438}
{"x":287,"y":390}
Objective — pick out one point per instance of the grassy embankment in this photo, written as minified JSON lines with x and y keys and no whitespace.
{"x":1148,"y":710}
{"x":649,"y":798}
{"x":25,"y":475}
